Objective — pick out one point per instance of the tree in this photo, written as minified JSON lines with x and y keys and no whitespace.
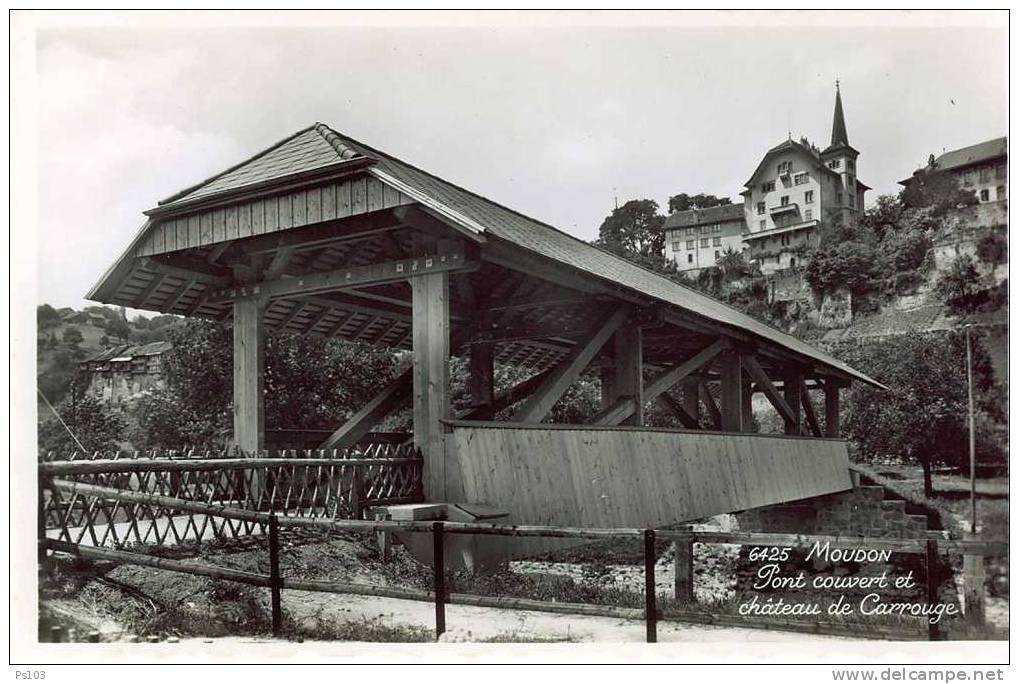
{"x":959,"y":286}
{"x":993,"y":249}
{"x":119,"y":327}
{"x":835,"y":265}
{"x":95,"y":426}
{"x":72,"y":336}
{"x":685,"y":202}
{"x":634,"y":230}
{"x":922,"y":415}
{"x":46,"y":316}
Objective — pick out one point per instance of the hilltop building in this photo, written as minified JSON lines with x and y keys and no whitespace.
{"x":982,"y":168}
{"x":796,"y":192}
{"x":697,"y":238}
{"x":120,"y":372}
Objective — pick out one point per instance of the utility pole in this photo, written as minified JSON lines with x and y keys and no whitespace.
{"x":972,"y":435}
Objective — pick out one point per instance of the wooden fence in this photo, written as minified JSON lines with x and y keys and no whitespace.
{"x":145,"y":508}
{"x":271,"y":522}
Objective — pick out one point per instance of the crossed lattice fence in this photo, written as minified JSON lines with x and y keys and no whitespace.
{"x":331,"y":485}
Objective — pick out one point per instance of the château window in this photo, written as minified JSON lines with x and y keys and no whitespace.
{"x":808,"y":215}
{"x":689,"y":258}
{"x":676,"y":246}
{"x":800,"y":179}
{"x":760,"y":207}
{"x":763,"y":224}
{"x":1000,"y":171}
{"x":985,"y":174}
{"x":808,"y":197}
{"x":785,"y":200}
{"x":851,"y":165}
{"x":834,"y":164}
{"x":717,"y":242}
{"x":716,"y":254}
{"x":984,"y":195}
{"x":689,"y":244}
{"x":690,"y":231}
{"x":717,"y":228}
{"x":704,"y":242}
{"x":838,"y":198}
{"x":1001,"y":192}
{"x":768,"y":187}
{"x":785,"y":167}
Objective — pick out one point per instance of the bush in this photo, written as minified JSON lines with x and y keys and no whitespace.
{"x":72,"y":336}
{"x":959,"y":286}
{"x":46,"y":316}
{"x":993,"y":249}
{"x":836,"y":265}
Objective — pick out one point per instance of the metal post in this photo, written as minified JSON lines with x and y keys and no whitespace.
{"x":439,"y":573}
{"x":274,"y":574}
{"x":972,"y":438}
{"x":650,"y":603}
{"x":933,"y":633}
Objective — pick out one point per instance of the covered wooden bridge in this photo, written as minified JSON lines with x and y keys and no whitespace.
{"x":323,"y":235}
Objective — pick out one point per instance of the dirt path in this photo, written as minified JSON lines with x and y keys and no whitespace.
{"x":473,"y":623}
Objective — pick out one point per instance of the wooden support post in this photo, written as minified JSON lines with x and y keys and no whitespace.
{"x":357,"y":493}
{"x":974,"y":577}
{"x":691,"y":398}
{"x":430,"y":296}
{"x":275,"y":581}
{"x":608,"y":392}
{"x":931,"y":566}
{"x":831,"y":408}
{"x":650,"y":591}
{"x":674,"y":407}
{"x":439,"y":578}
{"x":684,"y":571}
{"x":384,"y":538}
{"x":793,"y":385}
{"x":41,"y":523}
{"x":731,"y":367}
{"x":482,"y":380}
{"x":628,"y":366}
{"x":809,"y":414}
{"x":249,"y":376}
{"x":709,"y":403}
{"x":748,"y":404}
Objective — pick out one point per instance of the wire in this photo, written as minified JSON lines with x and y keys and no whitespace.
{"x":83,"y":449}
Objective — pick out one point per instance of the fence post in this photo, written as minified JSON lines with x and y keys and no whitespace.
{"x":933,"y":633}
{"x":274,"y":574}
{"x":439,"y":573}
{"x":684,"y":570}
{"x":974,"y":577}
{"x":650,"y":602}
{"x":357,"y":494}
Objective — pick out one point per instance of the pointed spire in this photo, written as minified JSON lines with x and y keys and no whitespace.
{"x":838,"y":127}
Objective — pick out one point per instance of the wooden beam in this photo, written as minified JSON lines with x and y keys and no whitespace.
{"x":189,"y":269}
{"x":567,"y":372}
{"x":732,"y":398}
{"x":709,"y":402}
{"x":666,"y":401}
{"x":793,"y":386}
{"x":481,"y":380}
{"x":342,"y":278}
{"x":156,"y":281}
{"x":691,"y":401}
{"x":669,"y":377}
{"x":280,"y":261}
{"x":766,"y":386}
{"x":249,"y":375}
{"x":628,"y":368}
{"x":393,"y":396}
{"x":517,"y":393}
{"x":831,"y":407}
{"x":808,"y":411}
{"x":290,"y":316}
{"x":430,"y":333}
{"x":172,"y":300}
{"x":348,"y":229}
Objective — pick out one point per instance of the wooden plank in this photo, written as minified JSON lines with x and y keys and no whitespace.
{"x":299,"y":203}
{"x":628,"y":369}
{"x":393,"y":396}
{"x":313,"y":197}
{"x":249,"y":375}
{"x":808,"y":411}
{"x":765,"y":385}
{"x":792,"y":386}
{"x":567,"y":372}
{"x":517,"y":393}
{"x":280,"y":260}
{"x":345,"y":278}
{"x":329,"y":202}
{"x":156,"y":281}
{"x":430,"y":333}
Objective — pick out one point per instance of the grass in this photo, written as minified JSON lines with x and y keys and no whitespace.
{"x":363,"y":629}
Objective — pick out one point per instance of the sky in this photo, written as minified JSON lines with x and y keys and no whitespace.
{"x":555,"y":121}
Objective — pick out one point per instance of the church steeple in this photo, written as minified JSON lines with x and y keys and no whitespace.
{"x":838,"y":126}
